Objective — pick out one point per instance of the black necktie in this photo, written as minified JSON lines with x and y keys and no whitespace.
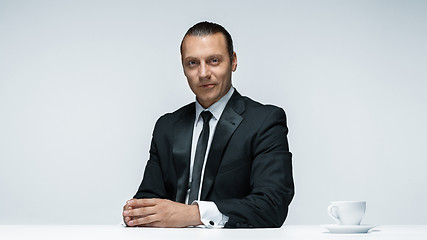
{"x":199,"y":157}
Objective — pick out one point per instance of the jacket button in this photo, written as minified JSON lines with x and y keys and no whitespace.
{"x":211,"y":223}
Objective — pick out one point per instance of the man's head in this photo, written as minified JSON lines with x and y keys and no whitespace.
{"x":208,"y":60}
{"x":207,"y":28}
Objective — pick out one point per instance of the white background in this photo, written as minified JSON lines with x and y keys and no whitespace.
{"x":83,"y":82}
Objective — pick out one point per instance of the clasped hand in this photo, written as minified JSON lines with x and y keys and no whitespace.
{"x":160,"y":213}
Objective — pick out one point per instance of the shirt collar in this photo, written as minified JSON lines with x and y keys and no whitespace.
{"x":217,"y":108}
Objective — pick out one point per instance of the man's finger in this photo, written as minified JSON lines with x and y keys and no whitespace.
{"x":144,"y":221}
{"x":137,"y":203}
{"x":126,"y":206}
{"x":127,"y":219}
{"x":139,"y":212}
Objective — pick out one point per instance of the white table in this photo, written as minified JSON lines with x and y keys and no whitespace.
{"x":287,"y":232}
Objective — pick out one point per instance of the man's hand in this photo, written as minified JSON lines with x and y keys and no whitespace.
{"x":160,"y":213}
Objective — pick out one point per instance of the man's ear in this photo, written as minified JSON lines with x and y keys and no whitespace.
{"x":234,"y":62}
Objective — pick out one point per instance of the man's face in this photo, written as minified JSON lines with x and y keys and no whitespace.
{"x":207,"y":66}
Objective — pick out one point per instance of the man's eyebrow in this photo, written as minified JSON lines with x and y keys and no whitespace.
{"x":208,"y":57}
{"x":216,"y":56}
{"x":189,"y":58}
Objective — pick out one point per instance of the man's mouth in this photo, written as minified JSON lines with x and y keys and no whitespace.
{"x":208,"y":85}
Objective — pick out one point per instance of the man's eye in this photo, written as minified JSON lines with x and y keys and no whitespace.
{"x":215,"y":61}
{"x":192,"y":63}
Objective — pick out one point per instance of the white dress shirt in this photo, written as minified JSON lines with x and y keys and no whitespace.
{"x":210,"y":216}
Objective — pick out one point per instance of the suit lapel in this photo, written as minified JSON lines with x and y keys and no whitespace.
{"x":228,"y":123}
{"x":183,"y":134}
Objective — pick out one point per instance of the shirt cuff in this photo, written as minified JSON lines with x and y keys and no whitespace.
{"x":210,"y":216}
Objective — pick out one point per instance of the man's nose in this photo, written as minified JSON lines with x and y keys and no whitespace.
{"x":204,"y":71}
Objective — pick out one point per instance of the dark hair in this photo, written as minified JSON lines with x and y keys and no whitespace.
{"x":208,"y":28}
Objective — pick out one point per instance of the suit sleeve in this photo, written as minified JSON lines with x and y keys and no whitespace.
{"x":152,"y":185}
{"x":271,"y":180}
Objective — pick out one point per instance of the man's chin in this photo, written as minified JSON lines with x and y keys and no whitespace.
{"x":207,"y":102}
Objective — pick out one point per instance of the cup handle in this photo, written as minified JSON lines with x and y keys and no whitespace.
{"x":332,"y":213}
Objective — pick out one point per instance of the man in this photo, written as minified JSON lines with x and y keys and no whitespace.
{"x":222,"y":161}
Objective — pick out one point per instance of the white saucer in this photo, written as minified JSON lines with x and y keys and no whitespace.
{"x":363,"y":228}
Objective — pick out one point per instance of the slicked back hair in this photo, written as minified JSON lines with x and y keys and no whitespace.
{"x":208,"y":28}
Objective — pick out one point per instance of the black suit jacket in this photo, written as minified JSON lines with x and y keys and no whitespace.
{"x":248,"y":171}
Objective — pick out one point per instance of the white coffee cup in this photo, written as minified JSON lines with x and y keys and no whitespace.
{"x":347,"y":212}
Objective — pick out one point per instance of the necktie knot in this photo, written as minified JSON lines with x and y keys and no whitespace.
{"x":206,"y":115}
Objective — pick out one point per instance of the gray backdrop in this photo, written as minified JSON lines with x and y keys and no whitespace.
{"x":83,"y":82}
